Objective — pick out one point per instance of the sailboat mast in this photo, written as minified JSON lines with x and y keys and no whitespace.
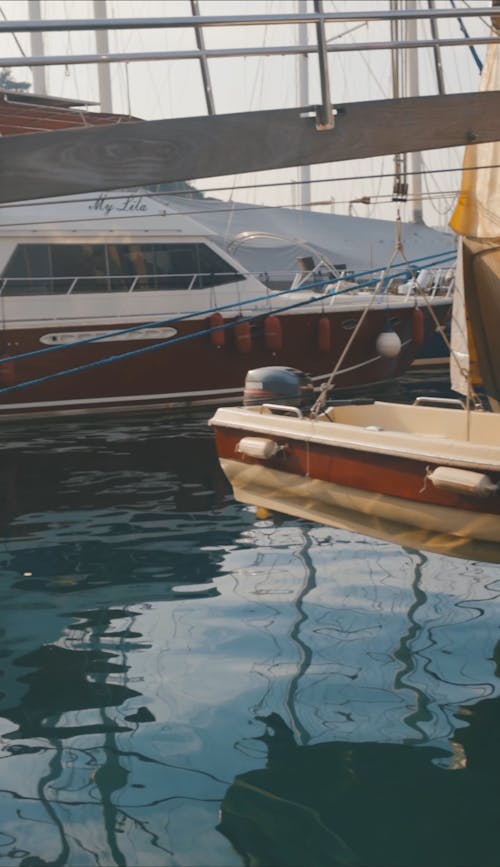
{"x":205,"y":74}
{"x":437,"y":51}
{"x":400,"y":186}
{"x":413,"y":90}
{"x":103,"y":69}
{"x":37,"y":48}
{"x":303,"y":94}
{"x":405,"y":79}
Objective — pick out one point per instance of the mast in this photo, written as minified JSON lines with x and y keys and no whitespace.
{"x":437,"y":52}
{"x":205,"y":74}
{"x":413,"y":90}
{"x":405,"y":80}
{"x":400,"y":186}
{"x":37,"y":48}
{"x":303,"y":94}
{"x":103,"y":69}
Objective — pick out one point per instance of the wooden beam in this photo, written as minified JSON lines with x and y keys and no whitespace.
{"x":62,"y":162}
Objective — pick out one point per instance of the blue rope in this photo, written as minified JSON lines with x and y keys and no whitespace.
{"x":182,"y":318}
{"x":465,"y":33}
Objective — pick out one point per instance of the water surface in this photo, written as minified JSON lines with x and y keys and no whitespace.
{"x":185,"y":685}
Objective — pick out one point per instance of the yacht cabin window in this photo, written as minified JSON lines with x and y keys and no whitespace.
{"x":59,"y":269}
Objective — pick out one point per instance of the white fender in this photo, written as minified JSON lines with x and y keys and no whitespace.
{"x":462,"y":481}
{"x":258,"y":447}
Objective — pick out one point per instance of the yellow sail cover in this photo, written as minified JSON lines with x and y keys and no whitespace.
{"x":477,"y":213}
{"x":475,"y":355}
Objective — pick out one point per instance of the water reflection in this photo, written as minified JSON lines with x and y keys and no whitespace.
{"x":182,"y":684}
{"x":377,"y":802}
{"x":345,"y":803}
{"x":91,"y":502}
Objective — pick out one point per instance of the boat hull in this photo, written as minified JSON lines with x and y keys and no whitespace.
{"x":370,"y":481}
{"x":188,"y":367}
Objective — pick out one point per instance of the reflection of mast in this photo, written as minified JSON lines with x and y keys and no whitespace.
{"x":111,"y":775}
{"x":404,"y":654}
{"x":55,"y":772}
{"x":305,"y":651}
{"x":109,"y":778}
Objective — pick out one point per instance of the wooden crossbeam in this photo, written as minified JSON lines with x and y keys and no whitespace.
{"x":62,"y":162}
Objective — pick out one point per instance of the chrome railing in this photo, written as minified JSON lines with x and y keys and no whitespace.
{"x":320,"y":47}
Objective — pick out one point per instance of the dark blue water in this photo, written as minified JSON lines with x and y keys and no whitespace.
{"x":185,"y":685}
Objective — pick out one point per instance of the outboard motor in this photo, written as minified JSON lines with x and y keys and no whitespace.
{"x":281,"y":385}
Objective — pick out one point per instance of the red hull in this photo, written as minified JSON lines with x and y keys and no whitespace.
{"x":383,"y":475}
{"x":195,"y":370}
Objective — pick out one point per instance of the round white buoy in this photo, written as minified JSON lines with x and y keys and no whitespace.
{"x":388,"y":344}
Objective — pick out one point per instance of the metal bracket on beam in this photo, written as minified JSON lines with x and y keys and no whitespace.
{"x":324,"y":117}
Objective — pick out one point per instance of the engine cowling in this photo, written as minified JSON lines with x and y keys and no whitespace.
{"x":281,"y":385}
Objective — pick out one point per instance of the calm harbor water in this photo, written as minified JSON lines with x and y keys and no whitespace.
{"x":185,"y":685}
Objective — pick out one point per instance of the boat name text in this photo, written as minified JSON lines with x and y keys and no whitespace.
{"x":106,"y":205}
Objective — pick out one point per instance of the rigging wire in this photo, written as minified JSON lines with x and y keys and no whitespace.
{"x":16,"y":40}
{"x":143,"y":191}
{"x":486,"y":22}
{"x":372,"y":77}
{"x":258,"y":82}
{"x":436,"y":195}
{"x":466,"y":35}
{"x":379,"y":288}
{"x":226,"y":207}
{"x":374,"y":176}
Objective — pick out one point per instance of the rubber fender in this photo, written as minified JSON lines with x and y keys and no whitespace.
{"x":324,"y":335}
{"x":243,"y":337}
{"x":272,"y":333}
{"x":218,"y":335}
{"x":417,"y":326}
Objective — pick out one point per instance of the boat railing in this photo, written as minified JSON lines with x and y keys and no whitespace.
{"x":228,"y":290}
{"x":432,"y":282}
{"x":93,"y":284}
{"x":273,"y":283}
{"x":320,"y":47}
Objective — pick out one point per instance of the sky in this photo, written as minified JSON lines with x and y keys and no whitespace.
{"x":162,"y":89}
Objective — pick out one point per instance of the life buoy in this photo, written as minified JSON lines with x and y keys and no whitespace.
{"x":324,"y":334}
{"x":417,"y":326}
{"x":217,"y":335}
{"x":242,"y":337}
{"x":272,"y":333}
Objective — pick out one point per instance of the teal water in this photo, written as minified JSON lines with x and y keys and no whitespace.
{"x":184,"y":685}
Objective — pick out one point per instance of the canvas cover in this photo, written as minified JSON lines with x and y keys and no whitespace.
{"x":475,"y":343}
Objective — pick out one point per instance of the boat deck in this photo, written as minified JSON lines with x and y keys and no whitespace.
{"x":427,"y":421}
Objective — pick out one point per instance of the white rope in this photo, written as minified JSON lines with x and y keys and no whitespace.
{"x":326,"y":386}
